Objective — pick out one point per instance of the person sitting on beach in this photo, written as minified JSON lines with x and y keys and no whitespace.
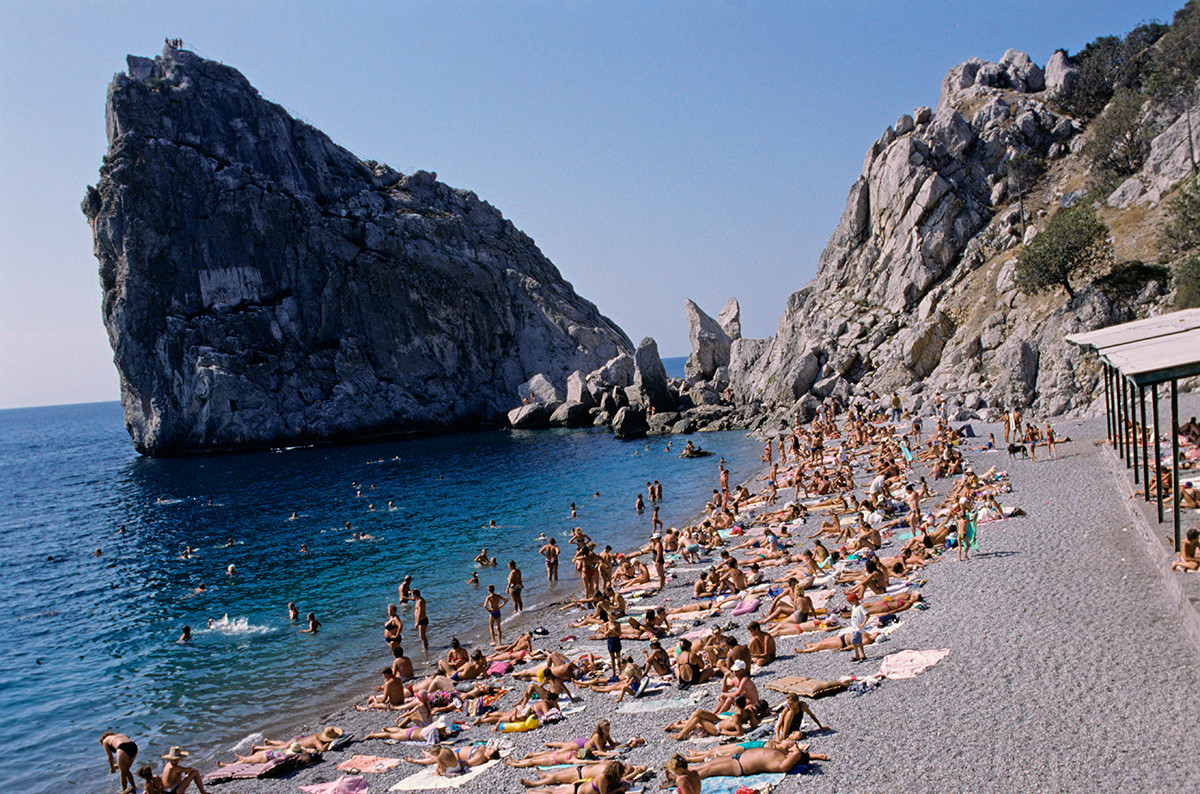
{"x":628,"y":682}
{"x":316,"y":742}
{"x":657,"y":659}
{"x":705,"y":723}
{"x":1189,"y":496}
{"x":689,"y":668}
{"x":1188,"y":559}
{"x":402,"y":666}
{"x":740,"y":685}
{"x":393,"y":696}
{"x":451,"y":762}
{"x":761,"y":645}
{"x":548,"y":686}
{"x":175,"y":778}
{"x":788,"y":726}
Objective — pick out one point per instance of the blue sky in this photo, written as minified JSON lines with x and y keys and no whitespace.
{"x":654,"y":151}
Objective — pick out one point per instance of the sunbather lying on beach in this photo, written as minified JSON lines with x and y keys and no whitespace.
{"x":703,"y":722}
{"x":568,"y":755}
{"x":585,"y":772}
{"x":412,"y":733}
{"x":266,"y":757}
{"x":754,"y":761}
{"x":607,"y":783}
{"x":455,"y":762}
{"x":840,"y":642}
{"x":317,"y":742}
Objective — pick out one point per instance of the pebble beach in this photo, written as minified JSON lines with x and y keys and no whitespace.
{"x":1068,"y":668}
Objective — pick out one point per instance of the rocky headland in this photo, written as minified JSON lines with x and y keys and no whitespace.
{"x":264,"y":286}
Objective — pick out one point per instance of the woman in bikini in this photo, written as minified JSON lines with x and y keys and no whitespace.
{"x":600,"y":743}
{"x":456,"y":762}
{"x":787,"y":727}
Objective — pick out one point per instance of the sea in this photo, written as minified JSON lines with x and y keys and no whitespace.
{"x":97,"y":589}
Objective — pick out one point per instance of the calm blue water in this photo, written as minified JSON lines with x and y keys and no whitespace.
{"x":89,"y":642}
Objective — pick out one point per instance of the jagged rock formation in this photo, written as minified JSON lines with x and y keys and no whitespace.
{"x":915,"y":287}
{"x":262,"y":285}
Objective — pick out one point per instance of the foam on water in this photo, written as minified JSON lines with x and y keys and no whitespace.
{"x":236,"y":627}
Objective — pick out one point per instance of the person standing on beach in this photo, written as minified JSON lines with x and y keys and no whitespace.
{"x":393,"y":628}
{"x":421,"y":618}
{"x":550,"y":552}
{"x":656,"y":522}
{"x":660,"y":559}
{"x":121,"y":752}
{"x":492,"y":604}
{"x":858,"y":620}
{"x":515,"y":586}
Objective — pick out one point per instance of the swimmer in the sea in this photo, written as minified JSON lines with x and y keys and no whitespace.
{"x":482,"y":557}
{"x":293,"y":517}
{"x":304,"y":548}
{"x":199,"y":589}
{"x":314,"y":625}
{"x":573,"y":515}
{"x":231,"y":571}
{"x":186,"y":636}
{"x":473,"y":579}
{"x":293,"y":613}
{"x":391,"y":506}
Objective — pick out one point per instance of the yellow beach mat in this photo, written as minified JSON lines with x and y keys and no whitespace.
{"x":429,"y":779}
{"x":806,"y":687}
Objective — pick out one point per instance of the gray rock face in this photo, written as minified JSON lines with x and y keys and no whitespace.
{"x":262,"y":285}
{"x":915,"y":288}
{"x":1169,"y":161}
{"x":650,"y":377}
{"x":710,"y":343}
{"x":540,"y":389}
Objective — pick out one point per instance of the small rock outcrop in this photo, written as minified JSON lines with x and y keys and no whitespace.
{"x":263,"y":286}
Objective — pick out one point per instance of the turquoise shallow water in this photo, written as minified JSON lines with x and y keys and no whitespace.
{"x":89,"y":642}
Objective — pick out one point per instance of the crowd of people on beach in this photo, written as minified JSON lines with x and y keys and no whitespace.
{"x":872,"y":498}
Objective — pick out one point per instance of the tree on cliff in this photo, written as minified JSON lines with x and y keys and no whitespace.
{"x":1074,"y":243}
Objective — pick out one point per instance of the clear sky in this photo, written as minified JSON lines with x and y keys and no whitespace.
{"x":654,"y":151}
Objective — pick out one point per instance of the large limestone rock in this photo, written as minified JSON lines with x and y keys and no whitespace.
{"x":630,"y":422}
{"x":915,"y":286}
{"x":730,"y":319}
{"x":262,"y":285}
{"x":710,"y":343}
{"x":1060,"y":73}
{"x":1169,"y":160}
{"x":650,"y":377}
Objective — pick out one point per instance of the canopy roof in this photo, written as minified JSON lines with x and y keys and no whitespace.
{"x":1149,"y":351}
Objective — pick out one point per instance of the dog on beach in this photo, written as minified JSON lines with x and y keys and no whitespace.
{"x":1014,"y":449}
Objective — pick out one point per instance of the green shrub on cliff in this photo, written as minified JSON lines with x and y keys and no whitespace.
{"x":1187,"y":283}
{"x":1182,"y":231}
{"x":1073,"y":243}
{"x":1120,"y":140}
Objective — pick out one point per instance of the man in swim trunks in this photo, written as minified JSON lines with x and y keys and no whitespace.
{"x":121,"y":752}
{"x":515,"y":586}
{"x":406,"y":589}
{"x":421,"y":617}
{"x":550,"y":552}
{"x":393,"y":694}
{"x":177,"y":778}
{"x":402,"y":666}
{"x":492,"y":604}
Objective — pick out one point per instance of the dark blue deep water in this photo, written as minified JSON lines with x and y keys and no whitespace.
{"x":88,"y":642}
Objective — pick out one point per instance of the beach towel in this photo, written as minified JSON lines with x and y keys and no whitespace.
{"x":730,"y":785}
{"x":906,"y":664}
{"x":368,"y":763}
{"x":350,"y":784}
{"x":430,"y":779}
{"x":276,"y":768}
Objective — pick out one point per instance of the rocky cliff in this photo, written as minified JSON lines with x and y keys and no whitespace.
{"x":915,"y":288}
{"x":262,"y":285}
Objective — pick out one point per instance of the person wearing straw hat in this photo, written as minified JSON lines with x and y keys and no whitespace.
{"x":175,"y":777}
{"x":317,"y":742}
